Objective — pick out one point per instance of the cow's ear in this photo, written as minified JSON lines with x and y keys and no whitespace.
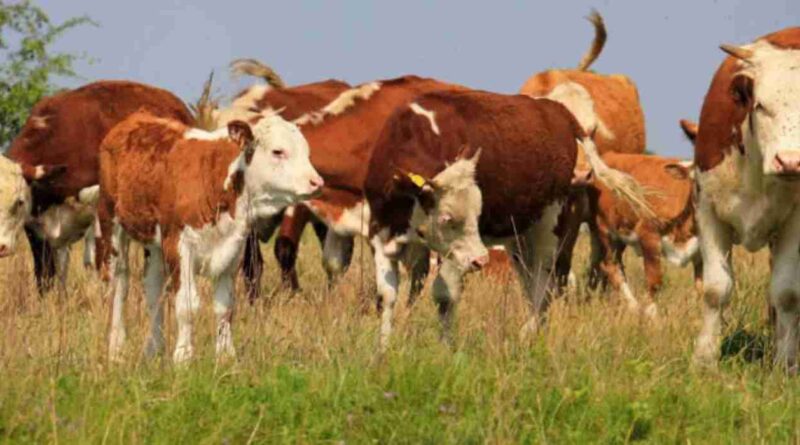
{"x":742,"y":90}
{"x":41,"y":172}
{"x":679,"y":171}
{"x":689,"y":129}
{"x":421,"y":188}
{"x":240,"y":133}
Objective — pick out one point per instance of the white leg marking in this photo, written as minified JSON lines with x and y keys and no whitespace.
{"x":62,"y":265}
{"x":785,"y":292}
{"x":88,"y":247}
{"x":119,"y":287}
{"x":187,"y":302}
{"x":715,"y":245}
{"x":153,"y":289}
{"x":387,"y":281}
{"x":447,"y":289}
{"x":223,"y":309}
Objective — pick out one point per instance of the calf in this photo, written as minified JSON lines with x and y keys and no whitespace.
{"x":291,"y":103}
{"x":430,"y":183}
{"x":671,"y":232}
{"x":747,"y":152}
{"x":56,"y":154}
{"x":191,"y":197}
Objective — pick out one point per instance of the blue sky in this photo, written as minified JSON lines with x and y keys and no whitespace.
{"x":669,"y":48}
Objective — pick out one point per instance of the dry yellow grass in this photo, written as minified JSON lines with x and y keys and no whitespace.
{"x":306,"y":370}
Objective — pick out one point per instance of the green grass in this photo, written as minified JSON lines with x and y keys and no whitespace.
{"x":306,"y":370}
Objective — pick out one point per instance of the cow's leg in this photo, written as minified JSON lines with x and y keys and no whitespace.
{"x":187,"y":302}
{"x":785,"y":292}
{"x":596,"y":256}
{"x":89,"y":247}
{"x":386,"y":277}
{"x":447,"y":289}
{"x":153,"y":284}
{"x":223,"y":309}
{"x":287,"y":243}
{"x":534,"y":259}
{"x":336,"y":255}
{"x":62,"y":266}
{"x":253,"y":261}
{"x":569,"y":224}
{"x":416,"y":259}
{"x":44,"y":261}
{"x":715,"y":245}
{"x":697,"y":266}
{"x":611,"y":266}
{"x":119,"y":286}
{"x":651,"y":254}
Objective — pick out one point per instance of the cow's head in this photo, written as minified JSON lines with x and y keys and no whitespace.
{"x":767,"y":92}
{"x":449,"y":206}
{"x":275,"y":162}
{"x":15,"y":198}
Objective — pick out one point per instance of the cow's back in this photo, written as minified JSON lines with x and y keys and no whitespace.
{"x":67,"y":129}
{"x":616,"y":103}
{"x":528,"y":153}
{"x":670,"y":195}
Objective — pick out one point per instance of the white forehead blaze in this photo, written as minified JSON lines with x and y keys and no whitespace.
{"x":776,"y":90}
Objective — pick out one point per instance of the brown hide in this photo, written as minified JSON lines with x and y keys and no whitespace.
{"x":529,"y":151}
{"x":298,"y":100}
{"x":616,"y":103}
{"x":66,"y":129}
{"x":721,"y":117}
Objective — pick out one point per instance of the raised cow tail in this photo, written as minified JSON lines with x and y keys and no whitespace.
{"x":252,"y":67}
{"x":623,"y":185}
{"x":599,"y":41}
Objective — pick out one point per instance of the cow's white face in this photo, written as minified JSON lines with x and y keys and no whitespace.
{"x":15,"y":204}
{"x":279,"y":171}
{"x":450,"y":224}
{"x":769,"y":86}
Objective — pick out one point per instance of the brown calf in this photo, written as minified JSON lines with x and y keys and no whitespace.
{"x":191,"y":197}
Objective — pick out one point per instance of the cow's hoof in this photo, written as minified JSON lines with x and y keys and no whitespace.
{"x":651,"y":311}
{"x":705,"y":353}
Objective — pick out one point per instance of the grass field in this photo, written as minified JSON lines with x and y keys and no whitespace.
{"x":306,"y":370}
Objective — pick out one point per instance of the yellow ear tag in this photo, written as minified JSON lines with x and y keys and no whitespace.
{"x":418,"y":180}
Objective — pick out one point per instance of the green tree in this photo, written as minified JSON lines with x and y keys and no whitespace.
{"x":27,"y":65}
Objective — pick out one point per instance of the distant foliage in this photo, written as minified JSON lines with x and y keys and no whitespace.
{"x":27,"y":65}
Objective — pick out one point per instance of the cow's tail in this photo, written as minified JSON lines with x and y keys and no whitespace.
{"x":252,"y":67}
{"x":599,"y":41}
{"x":623,"y":185}
{"x":205,"y":108}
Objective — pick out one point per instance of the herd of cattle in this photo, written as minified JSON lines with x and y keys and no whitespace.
{"x":417,"y":166}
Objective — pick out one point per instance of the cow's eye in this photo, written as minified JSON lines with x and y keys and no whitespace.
{"x":280,"y":154}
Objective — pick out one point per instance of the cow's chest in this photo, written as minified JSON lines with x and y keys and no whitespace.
{"x":214,"y":248}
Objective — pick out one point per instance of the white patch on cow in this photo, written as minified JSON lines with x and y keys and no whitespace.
{"x":15,"y":203}
{"x":243,"y":108}
{"x":89,"y":195}
{"x":289,"y":213}
{"x":40,"y":122}
{"x":679,"y":255}
{"x":577,"y":99}
{"x":776,"y":117}
{"x":353,"y":220}
{"x":345,"y":100}
{"x":753,"y":204}
{"x":386,"y":278}
{"x":430,"y":115}
{"x":66,"y":223}
{"x":203,"y":135}
{"x":120,"y":280}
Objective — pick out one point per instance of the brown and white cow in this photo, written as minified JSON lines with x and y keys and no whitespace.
{"x":748,"y":156}
{"x":605,"y":105}
{"x":508,"y":185}
{"x":669,"y":232}
{"x":56,"y":153}
{"x":341,"y":135}
{"x":291,"y":103}
{"x":191,"y":197}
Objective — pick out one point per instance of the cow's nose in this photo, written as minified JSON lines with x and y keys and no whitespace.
{"x":4,"y":250}
{"x":480,"y":262}
{"x":787,"y":163}
{"x":316,"y":182}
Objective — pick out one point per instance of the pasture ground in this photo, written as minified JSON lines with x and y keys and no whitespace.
{"x":306,"y":370}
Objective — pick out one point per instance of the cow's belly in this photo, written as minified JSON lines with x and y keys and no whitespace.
{"x":344,"y":220}
{"x":64,"y":224}
{"x":679,"y":254}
